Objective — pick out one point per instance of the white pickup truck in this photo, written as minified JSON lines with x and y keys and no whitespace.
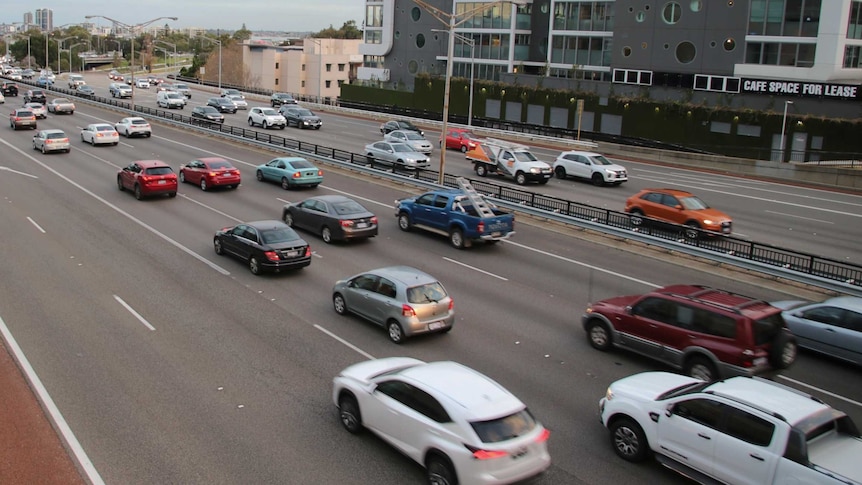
{"x":513,"y":160}
{"x":741,"y":431}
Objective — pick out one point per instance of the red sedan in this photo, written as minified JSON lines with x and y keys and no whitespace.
{"x":210,"y":172}
{"x":461,"y":139}
{"x":148,"y":177}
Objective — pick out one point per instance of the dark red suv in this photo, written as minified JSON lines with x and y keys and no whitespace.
{"x":148,"y":177}
{"x":707,"y":333}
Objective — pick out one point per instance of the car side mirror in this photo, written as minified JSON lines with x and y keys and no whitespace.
{"x":628,"y":310}
{"x":678,"y":207}
{"x":668,"y":411}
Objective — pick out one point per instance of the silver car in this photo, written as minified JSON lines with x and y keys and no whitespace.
{"x":832,"y":327}
{"x":51,"y":141}
{"x":415,"y":140}
{"x":238,"y":100}
{"x":395,"y":154}
{"x":404,"y":300}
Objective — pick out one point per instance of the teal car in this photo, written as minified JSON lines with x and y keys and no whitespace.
{"x":290,"y":172}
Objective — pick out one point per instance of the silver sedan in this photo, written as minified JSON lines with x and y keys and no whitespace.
{"x":832,"y":327}
{"x":396,"y":155}
{"x":415,"y":140}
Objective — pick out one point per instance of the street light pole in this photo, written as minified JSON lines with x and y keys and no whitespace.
{"x":70,"y":53}
{"x":59,"y":44}
{"x":783,"y":126}
{"x":171,"y":45}
{"x":472,"y":44}
{"x":219,"y":57}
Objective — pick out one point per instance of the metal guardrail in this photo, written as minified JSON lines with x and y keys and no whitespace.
{"x":832,"y":274}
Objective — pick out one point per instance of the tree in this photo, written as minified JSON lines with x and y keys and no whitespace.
{"x":242,"y":34}
{"x":347,"y":31}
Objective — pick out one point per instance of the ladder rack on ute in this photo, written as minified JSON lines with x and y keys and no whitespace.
{"x":479,"y":202}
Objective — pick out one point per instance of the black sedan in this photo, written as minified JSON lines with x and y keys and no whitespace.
{"x":334,"y":217}
{"x":393,"y":125}
{"x":206,"y":115}
{"x":85,"y":91}
{"x":300,"y":117}
{"x":265,"y":245}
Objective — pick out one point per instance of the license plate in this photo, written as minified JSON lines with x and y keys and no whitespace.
{"x":361,"y":225}
{"x":225,"y":175}
{"x":760,"y":361}
{"x":496,"y":233}
{"x":163,"y":182}
{"x":292,"y":254}
{"x":436,"y":325}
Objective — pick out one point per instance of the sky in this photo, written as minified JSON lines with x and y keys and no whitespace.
{"x":274,"y":15}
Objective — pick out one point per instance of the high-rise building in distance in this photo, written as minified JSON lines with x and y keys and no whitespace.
{"x":45,"y":19}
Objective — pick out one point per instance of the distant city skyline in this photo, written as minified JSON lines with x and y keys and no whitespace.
{"x":302,"y":16}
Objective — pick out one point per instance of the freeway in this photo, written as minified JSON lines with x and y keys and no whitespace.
{"x":173,"y":365}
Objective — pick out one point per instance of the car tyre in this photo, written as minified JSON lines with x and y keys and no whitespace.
{"x":339,"y":304}
{"x":395,"y":332}
{"x":636,"y":217}
{"x":120,"y":184}
{"x":599,"y":335}
{"x":203,"y":184}
{"x":326,"y":235}
{"x":520,"y":178}
{"x":218,"y":247}
{"x":700,"y":368}
{"x":348,"y":411}
{"x":463,"y":148}
{"x":265,"y":125}
{"x":250,"y":122}
{"x":440,"y":471}
{"x":783,"y":351}
{"x":629,"y":440}
{"x":43,"y":149}
{"x":288,"y":218}
{"x":284,"y":183}
{"x":138,"y":194}
{"x":404,"y":222}
{"x":691,"y":230}
{"x":456,"y":238}
{"x":560,"y":172}
{"x":182,"y":177}
{"x":481,"y":170}
{"x":254,"y":265}
{"x":259,"y":176}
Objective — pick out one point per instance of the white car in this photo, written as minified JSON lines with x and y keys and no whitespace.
{"x":266,"y":118}
{"x":589,"y":166}
{"x":238,"y":100}
{"x":2,"y":98}
{"x":100,"y":134}
{"x":459,"y":424}
{"x":134,"y":126}
{"x":416,"y":141}
{"x":142,"y":83}
{"x":38,"y":109}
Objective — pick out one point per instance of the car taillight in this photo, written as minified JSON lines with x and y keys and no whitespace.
{"x":99,"y":135}
{"x":543,"y":436}
{"x":451,"y":304}
{"x":212,"y":174}
{"x":271,"y":255}
{"x":480,"y":454}
{"x":374,"y":220}
{"x":296,"y":175}
{"x":407,"y":311}
{"x":308,"y":251}
{"x":346,"y":223}
{"x":320,"y":173}
{"x":480,"y":227}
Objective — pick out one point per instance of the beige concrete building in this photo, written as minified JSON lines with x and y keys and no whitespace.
{"x":311,"y":68}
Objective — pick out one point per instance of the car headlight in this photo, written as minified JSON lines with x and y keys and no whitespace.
{"x":535,"y":170}
{"x":708,"y":222}
{"x":609,"y":394}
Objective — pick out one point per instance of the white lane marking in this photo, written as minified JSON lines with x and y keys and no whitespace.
{"x":184,"y":196}
{"x":475,"y":268}
{"x":345,"y":342}
{"x":141,"y":223}
{"x":800,"y":217}
{"x":585,"y":265}
{"x":60,"y":423}
{"x":836,"y":396}
{"x":126,"y":144}
{"x":19,"y":173}
{"x":133,"y":312}
{"x":37,"y":225}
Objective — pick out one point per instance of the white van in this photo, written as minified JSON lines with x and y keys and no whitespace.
{"x":170,"y":99}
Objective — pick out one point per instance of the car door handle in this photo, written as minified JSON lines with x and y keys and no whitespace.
{"x":756,"y":457}
{"x":829,"y":329}
{"x":706,"y":437}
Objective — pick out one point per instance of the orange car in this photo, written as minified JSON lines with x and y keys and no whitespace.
{"x":678,"y":207}
{"x":461,"y":139}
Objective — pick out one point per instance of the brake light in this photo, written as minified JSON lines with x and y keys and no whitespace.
{"x":320,"y":173}
{"x":407,"y":311}
{"x":212,"y":174}
{"x":480,"y":227}
{"x":480,"y":454}
{"x":271,"y":255}
{"x":374,"y":220}
{"x":543,"y":436}
{"x":345,"y":223}
{"x":451,"y":304}
{"x":308,"y":251}
{"x":296,"y":175}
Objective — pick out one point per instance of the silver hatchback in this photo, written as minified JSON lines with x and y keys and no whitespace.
{"x":404,"y":300}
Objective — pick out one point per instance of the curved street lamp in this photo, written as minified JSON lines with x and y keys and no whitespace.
{"x":219,"y":57}
{"x":166,"y":53}
{"x":131,"y":29}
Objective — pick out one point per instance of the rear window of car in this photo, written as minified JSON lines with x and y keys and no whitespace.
{"x":347,"y":207}
{"x":275,"y":236}
{"x":426,"y":293}
{"x":105,"y":128}
{"x":159,"y":171}
{"x":55,"y":136}
{"x":140,"y":122}
{"x":301,"y":164}
{"x":220,"y":165}
{"x":506,"y":428}
{"x":23,"y":113}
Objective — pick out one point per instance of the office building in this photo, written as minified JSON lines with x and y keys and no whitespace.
{"x":45,"y":19}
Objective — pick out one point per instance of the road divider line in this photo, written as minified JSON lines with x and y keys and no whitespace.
{"x":475,"y":269}
{"x":800,"y":217}
{"x":7,"y":169}
{"x":184,"y":196}
{"x":134,"y":313}
{"x":345,"y":342}
{"x":51,"y":408}
{"x":809,"y":386}
{"x":37,"y":225}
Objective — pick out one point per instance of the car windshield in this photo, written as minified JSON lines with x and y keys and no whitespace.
{"x":304,"y":112}
{"x":174,"y":96}
{"x":401,"y":147}
{"x":505,"y":428}
{"x":693,"y":203}
{"x":279,"y":235}
{"x":269,"y":112}
{"x":54,"y":136}
{"x":159,"y":171}
{"x":209,"y":110}
{"x":301,"y":164}
{"x":601,"y":160}
{"x":182,"y":86}
{"x":525,"y":157}
{"x":412,"y":135}
{"x":427,"y":293}
{"x":347,"y":207}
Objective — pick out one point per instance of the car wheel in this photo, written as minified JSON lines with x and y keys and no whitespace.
{"x":783,"y":351}
{"x":35,"y":147}
{"x":259,"y":176}
{"x":287,"y":217}
{"x":203,"y":184}
{"x":339,"y":304}
{"x":120,"y":184}
{"x":463,"y":148}
{"x":629,"y":440}
{"x":326,"y":235}
{"x":182,"y":177}
{"x":265,"y":125}
{"x":692,"y":230}
{"x":599,"y":335}
{"x":138,"y":194}
{"x":43,"y":149}
{"x":254,"y":265}
{"x":396,"y":334}
{"x":520,"y":178}
{"x":560,"y":172}
{"x":218,"y":247}
{"x":284,"y":183}
{"x":481,"y":170}
{"x":636,"y":217}
{"x":404,"y":222}
{"x":456,"y":238}
{"x":440,"y":471}
{"x":348,"y":410}
{"x":700,"y":368}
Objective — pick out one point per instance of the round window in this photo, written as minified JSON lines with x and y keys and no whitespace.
{"x":412,"y":67}
{"x":696,"y":5}
{"x":729,"y":44}
{"x":627,"y":51}
{"x":420,"y":40}
{"x":415,"y":13}
{"x":397,"y":34}
{"x":671,"y":12}
{"x":685,"y":52}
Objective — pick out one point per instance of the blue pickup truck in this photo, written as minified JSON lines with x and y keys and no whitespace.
{"x":462,"y":215}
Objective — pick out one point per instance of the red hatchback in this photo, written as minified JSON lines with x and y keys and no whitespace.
{"x":148,"y":177}
{"x":210,"y":172}
{"x":461,"y":139}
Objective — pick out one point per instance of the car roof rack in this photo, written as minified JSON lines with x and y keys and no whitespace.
{"x":706,"y":290}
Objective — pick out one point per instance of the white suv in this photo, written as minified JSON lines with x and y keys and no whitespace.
{"x":266,"y":118}
{"x":459,"y":424}
{"x":589,"y":166}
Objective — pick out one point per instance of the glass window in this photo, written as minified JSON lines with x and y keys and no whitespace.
{"x":703,"y":411}
{"x":657,"y":309}
{"x":854,"y":23}
{"x":427,"y":293}
{"x":365,"y":282}
{"x":416,"y":399}
{"x":748,"y":427}
{"x":386,"y":288}
{"x":505,"y":428}
{"x":671,"y":13}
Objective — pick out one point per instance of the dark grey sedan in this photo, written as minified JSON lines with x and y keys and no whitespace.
{"x":264,"y":246}
{"x":334,"y":217}
{"x":300,"y":117}
{"x":404,"y":300}
{"x":832,"y":327}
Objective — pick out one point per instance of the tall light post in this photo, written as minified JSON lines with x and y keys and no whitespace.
{"x":166,"y":54}
{"x":452,"y":21}
{"x":131,"y":29}
{"x":472,"y":44}
{"x":70,"y":53}
{"x":784,"y":126}
{"x":219,"y":57}
{"x":59,"y":45}
{"x":169,"y":45}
